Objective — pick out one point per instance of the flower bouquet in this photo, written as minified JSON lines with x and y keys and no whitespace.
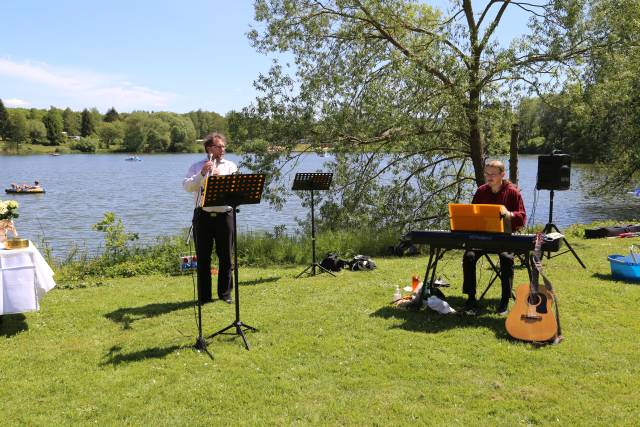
{"x":8,"y":212}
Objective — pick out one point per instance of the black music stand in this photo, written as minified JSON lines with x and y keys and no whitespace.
{"x":233,"y":190}
{"x":550,"y":227}
{"x":311,"y":182}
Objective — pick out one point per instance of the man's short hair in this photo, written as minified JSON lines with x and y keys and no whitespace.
{"x":208,"y":140}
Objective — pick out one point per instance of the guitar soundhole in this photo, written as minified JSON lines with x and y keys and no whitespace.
{"x":534,"y":299}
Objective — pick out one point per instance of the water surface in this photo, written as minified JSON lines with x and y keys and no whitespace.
{"x":148,"y":196}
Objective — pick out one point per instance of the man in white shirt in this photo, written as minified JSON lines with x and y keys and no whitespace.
{"x":212,"y":223}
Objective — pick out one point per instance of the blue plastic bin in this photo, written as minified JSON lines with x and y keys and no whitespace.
{"x":624,"y":267}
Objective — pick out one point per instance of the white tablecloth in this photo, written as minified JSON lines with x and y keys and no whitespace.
{"x":24,"y":279}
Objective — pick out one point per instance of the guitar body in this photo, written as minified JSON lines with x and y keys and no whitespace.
{"x":532,"y":319}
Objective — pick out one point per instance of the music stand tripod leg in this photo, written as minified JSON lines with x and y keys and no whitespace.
{"x":305,"y":271}
{"x":322,"y":269}
{"x":550,"y":226}
{"x":548,"y":229}
{"x":236,"y":323}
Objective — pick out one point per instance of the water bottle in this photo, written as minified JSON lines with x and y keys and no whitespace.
{"x":397,"y":295}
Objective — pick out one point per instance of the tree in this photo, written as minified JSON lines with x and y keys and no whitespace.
{"x":135,"y":132}
{"x":206,"y":122}
{"x":87,"y":123}
{"x":53,"y":122}
{"x":4,"y":121}
{"x":70,"y":122}
{"x":610,"y":99}
{"x":111,"y":133}
{"x":18,"y":131}
{"x":245,"y":126}
{"x":146,"y":132}
{"x":37,"y":132}
{"x":111,"y":115}
{"x":398,"y":75}
{"x":156,"y":140}
{"x":182,"y":134}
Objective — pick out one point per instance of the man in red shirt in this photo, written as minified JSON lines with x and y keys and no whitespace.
{"x":496,"y":191}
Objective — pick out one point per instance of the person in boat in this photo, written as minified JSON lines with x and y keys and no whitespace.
{"x":496,"y":191}
{"x":212,"y":223}
{"x":36,"y":185}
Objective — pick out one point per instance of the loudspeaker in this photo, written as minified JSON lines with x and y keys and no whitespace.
{"x":554,"y":172}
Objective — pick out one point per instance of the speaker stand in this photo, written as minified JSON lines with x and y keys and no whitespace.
{"x":551,"y":227}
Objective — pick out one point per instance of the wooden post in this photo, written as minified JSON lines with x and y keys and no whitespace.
{"x":513,"y":150}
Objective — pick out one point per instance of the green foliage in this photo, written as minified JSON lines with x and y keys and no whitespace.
{"x":255,"y":146}
{"x":596,"y":116}
{"x":182,"y":134}
{"x":156,"y":140}
{"x":37,"y":132}
{"x":376,"y":77}
{"x":205,"y":122}
{"x":120,"y":259}
{"x":536,"y":145}
{"x":116,"y":239}
{"x":85,"y":145}
{"x":146,"y":133}
{"x":135,"y":132}
{"x":18,"y":129}
{"x":87,"y":124}
{"x":4,"y":121}
{"x":111,"y":115}
{"x":111,"y":133}
{"x":54,"y":125}
{"x":71,"y":122}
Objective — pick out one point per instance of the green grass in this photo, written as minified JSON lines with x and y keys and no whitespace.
{"x":329,"y":351}
{"x":258,"y":249}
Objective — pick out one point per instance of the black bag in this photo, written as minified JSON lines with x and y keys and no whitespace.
{"x":404,"y":248}
{"x":331,"y":262}
{"x":596,"y":233}
{"x":361,"y":262}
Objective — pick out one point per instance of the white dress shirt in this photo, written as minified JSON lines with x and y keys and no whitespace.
{"x":194,"y":181}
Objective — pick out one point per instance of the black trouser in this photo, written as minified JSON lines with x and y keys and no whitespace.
{"x":469,"y":271}
{"x":208,"y":228}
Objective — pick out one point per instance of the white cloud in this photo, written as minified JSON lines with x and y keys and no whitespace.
{"x":84,"y":89}
{"x":15,"y":102}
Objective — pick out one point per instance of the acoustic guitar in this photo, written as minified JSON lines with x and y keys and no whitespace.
{"x":531,"y":318}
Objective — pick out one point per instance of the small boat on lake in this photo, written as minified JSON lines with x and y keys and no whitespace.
{"x":38,"y":190}
{"x":133,"y":159}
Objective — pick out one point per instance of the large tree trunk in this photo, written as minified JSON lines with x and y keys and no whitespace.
{"x":476,"y":144}
{"x":513,"y":152}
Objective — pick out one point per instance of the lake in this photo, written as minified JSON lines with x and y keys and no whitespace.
{"x":149,"y":198}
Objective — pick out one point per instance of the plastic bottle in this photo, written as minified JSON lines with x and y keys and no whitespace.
{"x":397,"y":295}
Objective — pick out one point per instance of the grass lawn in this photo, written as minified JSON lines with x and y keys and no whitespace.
{"x":329,"y":351}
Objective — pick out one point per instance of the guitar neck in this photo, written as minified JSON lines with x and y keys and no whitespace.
{"x":537,"y":264}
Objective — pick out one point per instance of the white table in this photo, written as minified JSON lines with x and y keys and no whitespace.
{"x":24,"y":279}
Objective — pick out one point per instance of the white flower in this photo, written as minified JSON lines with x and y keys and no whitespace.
{"x":8,"y":209}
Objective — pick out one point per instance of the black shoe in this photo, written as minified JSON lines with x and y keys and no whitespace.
{"x":503,"y":307}
{"x":228,"y":300}
{"x":471,"y":307}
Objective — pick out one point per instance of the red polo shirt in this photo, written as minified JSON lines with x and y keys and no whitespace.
{"x":509,"y":196}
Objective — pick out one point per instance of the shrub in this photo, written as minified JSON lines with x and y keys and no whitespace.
{"x":85,"y":145}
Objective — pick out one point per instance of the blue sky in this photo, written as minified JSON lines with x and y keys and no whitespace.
{"x":134,"y":55}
